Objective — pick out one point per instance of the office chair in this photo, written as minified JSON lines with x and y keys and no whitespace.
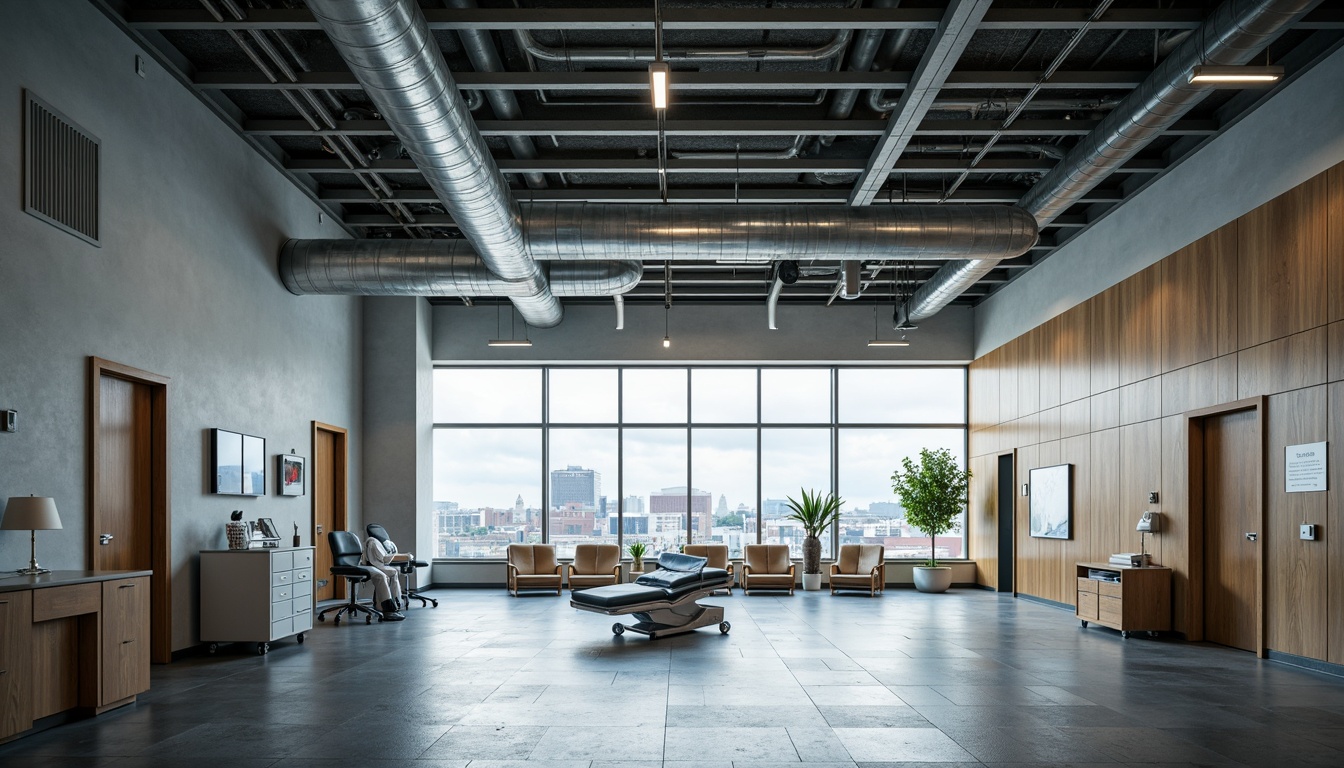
{"x":345,"y":554}
{"x":376,"y":531}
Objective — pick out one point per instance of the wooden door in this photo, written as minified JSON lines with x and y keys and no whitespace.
{"x":1231,"y":511}
{"x":124,"y":476}
{"x":329,"y":500}
{"x":1006,"y":523}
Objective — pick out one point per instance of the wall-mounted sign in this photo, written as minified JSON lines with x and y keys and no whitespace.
{"x":1304,"y":468}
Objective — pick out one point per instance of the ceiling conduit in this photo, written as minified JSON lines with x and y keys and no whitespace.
{"x":389,"y":48}
{"x":1236,"y":32}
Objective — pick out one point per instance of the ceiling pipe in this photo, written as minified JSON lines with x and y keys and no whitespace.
{"x":388,"y":46}
{"x":772,"y":301}
{"x":861,"y":57}
{"x":620,"y":310}
{"x":1236,"y":32}
{"x":530,"y":45}
{"x":480,"y":49}
{"x":851,"y":279}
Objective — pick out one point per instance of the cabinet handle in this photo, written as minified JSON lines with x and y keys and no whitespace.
{"x":125,"y":586}
{"x":4,"y":602}
{"x":124,"y":642}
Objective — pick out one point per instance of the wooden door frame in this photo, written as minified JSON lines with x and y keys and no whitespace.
{"x":1194,"y":422}
{"x":160,"y":514}
{"x":339,"y":497}
{"x":1012,"y":511}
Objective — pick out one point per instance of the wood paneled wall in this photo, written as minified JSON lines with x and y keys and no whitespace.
{"x":1254,"y":308}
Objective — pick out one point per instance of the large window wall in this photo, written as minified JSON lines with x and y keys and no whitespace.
{"x":672,"y":455}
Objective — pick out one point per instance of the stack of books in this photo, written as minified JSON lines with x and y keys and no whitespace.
{"x":1130,"y":559}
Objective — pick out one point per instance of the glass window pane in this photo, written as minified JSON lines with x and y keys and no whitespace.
{"x":792,"y":459}
{"x":583,"y":396}
{"x":654,"y":507}
{"x":654,"y":396}
{"x":723,"y":469}
{"x":487,"y":395}
{"x":583,"y":472}
{"x":902,"y":395}
{"x":868,"y":458}
{"x":723,"y":396}
{"x":796,"y":395}
{"x":487,"y":490}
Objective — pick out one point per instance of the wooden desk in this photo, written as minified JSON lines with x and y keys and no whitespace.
{"x":1139,"y":602}
{"x":71,"y":641}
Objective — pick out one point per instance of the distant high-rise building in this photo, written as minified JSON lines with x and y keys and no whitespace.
{"x":722,"y":511}
{"x":674,"y":501}
{"x":774,"y":508}
{"x":888,"y":509}
{"x":634,"y":505}
{"x":575,"y":485}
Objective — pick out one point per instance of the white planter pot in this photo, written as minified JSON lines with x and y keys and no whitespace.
{"x":811,"y":581}
{"x":936,"y":579}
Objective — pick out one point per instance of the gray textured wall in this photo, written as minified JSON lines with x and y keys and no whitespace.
{"x":184,"y":285}
{"x":708,"y":332}
{"x":1295,"y":136}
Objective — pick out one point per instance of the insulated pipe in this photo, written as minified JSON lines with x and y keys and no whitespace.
{"x":772,"y":302}
{"x":391,"y":51}
{"x":480,"y":49}
{"x":432,"y":268}
{"x":1237,"y":31}
{"x":644,"y":55}
{"x":619,"y":299}
{"x":851,"y":279}
{"x":860,"y":60}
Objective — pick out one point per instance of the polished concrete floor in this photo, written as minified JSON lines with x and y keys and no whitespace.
{"x":490,"y":681}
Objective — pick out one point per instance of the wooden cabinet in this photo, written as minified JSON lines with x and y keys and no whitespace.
{"x":16,"y":698}
{"x":1136,"y":600}
{"x":256,"y":595}
{"x":125,"y":653}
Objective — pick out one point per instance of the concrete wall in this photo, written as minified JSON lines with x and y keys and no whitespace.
{"x":708,"y":332}
{"x":184,"y":285}
{"x":1298,"y":134}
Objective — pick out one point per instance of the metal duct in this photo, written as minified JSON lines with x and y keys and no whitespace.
{"x":480,"y":49}
{"x":712,"y":232}
{"x":861,"y":58}
{"x":1236,"y":32}
{"x":392,"y":53}
{"x":772,"y":302}
{"x":851,"y":280}
{"x":432,"y":268}
{"x":637,"y":55}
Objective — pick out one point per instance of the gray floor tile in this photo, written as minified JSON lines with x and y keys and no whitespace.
{"x":900,"y":744}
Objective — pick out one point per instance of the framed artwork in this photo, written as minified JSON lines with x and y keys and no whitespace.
{"x":226,"y":459}
{"x":267,"y":528}
{"x":293,"y":472}
{"x":254,"y":466}
{"x":1051,"y":492}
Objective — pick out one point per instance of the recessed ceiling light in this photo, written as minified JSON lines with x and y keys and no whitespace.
{"x":1215,"y":76}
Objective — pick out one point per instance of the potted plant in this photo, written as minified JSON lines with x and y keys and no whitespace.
{"x":816,"y":513}
{"x":637,"y":552}
{"x":933,"y":493}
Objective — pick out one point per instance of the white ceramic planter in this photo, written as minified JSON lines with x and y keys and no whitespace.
{"x":936,"y":579}
{"x":811,"y":581}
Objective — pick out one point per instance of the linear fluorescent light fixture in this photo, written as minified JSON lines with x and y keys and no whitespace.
{"x":1207,"y":74}
{"x":888,"y":343}
{"x":658,"y":73}
{"x":509,"y":343}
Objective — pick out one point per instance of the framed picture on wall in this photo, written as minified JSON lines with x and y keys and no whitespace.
{"x":293,"y":472}
{"x":254,"y":465}
{"x":1051,"y":492}
{"x":226,"y":461}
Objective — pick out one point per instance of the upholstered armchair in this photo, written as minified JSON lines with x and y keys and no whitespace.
{"x":533,"y":566}
{"x":717,"y":555}
{"x":767,"y":566}
{"x":595,"y":565}
{"x":860,"y":566}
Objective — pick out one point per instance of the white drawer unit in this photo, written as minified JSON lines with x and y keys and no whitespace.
{"x":256,"y":595}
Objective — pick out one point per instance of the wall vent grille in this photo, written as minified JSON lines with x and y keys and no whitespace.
{"x":60,"y":170}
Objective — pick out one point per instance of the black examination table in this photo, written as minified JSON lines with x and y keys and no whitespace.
{"x":664,"y":601}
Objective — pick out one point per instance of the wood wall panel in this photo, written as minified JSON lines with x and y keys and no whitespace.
{"x":1334,"y":351}
{"x":1295,"y":595}
{"x":1199,"y":386}
{"x":1140,"y":325}
{"x":1047,"y":351}
{"x":1049,"y":425}
{"x":1072,"y":339}
{"x":1292,"y":362}
{"x":1103,"y":503}
{"x":1105,"y":409}
{"x":1104,"y":340}
{"x":1199,"y":291}
{"x":1334,"y":269}
{"x":1281,"y":265}
{"x":1075,"y":418}
{"x":1008,"y":380}
{"x":982,"y":519}
{"x":1029,"y":374}
{"x":1174,"y":505}
{"x":983,"y":380}
{"x":1140,"y":472}
{"x":1078,"y":452}
{"x":1141,"y":401}
{"x":1333,"y":533}
{"x":1030,"y":568}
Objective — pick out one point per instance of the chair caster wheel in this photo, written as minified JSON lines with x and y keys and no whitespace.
{"x":724,"y":627}
{"x":1124,"y":635}
{"x":214,"y":648}
{"x":653,"y":635}
{"x":369,"y":619}
{"x":321,"y":618}
{"x":300,"y":638}
{"x":1084,"y":623}
{"x":435,"y":602}
{"x":263,"y":648}
{"x":618,"y":629}
{"x":337,"y":622}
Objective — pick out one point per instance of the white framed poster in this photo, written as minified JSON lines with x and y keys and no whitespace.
{"x":1304,"y":468}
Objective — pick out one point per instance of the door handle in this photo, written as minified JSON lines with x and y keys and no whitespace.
{"x":1252,"y":535}
{"x":104,"y":539}
{"x":319,"y":529}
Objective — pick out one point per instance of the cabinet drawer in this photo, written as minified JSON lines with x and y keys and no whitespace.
{"x":282,"y":628}
{"x":1110,"y":610}
{"x":302,"y":588}
{"x":60,"y":602}
{"x":302,"y":622}
{"x":1087,"y":606}
{"x":281,"y":594}
{"x":303,"y":574}
{"x":282,"y":610}
{"x":301,"y":605}
{"x":279,"y":578}
{"x":303,"y":559}
{"x":282,"y":561}
{"x":1087,"y":585}
{"x":1110,"y":589}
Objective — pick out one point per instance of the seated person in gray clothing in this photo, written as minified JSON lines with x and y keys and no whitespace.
{"x":379,"y":556}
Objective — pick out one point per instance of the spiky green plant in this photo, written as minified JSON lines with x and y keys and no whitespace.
{"x":816,"y":513}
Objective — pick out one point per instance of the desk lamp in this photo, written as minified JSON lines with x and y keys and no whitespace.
{"x":32,"y":514}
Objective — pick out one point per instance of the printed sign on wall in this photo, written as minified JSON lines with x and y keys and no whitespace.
{"x":1304,"y":468}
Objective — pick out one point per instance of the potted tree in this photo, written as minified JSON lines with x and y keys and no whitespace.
{"x":816,"y":513}
{"x":933,"y":493}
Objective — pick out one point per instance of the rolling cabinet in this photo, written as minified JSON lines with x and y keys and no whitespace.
{"x":1129,"y":600}
{"x":256,"y":596}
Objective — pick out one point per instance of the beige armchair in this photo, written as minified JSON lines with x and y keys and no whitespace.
{"x":533,"y":566}
{"x":860,"y":566}
{"x":717,"y":555}
{"x":767,"y":566}
{"x":595,"y":565}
